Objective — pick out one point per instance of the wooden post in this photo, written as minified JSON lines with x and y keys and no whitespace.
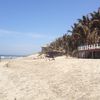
{"x":85,"y":54}
{"x":78,"y":53}
{"x":92,"y":54}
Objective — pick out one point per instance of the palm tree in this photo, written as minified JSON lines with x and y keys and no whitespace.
{"x":85,"y":31}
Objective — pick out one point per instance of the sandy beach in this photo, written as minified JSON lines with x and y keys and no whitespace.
{"x":32,"y":78}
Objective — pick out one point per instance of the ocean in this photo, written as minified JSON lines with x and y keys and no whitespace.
{"x":10,"y":56}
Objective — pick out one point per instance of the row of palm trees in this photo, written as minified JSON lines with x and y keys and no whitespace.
{"x":85,"y":31}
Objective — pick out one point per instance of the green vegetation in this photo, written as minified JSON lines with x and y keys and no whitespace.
{"x":85,"y":31}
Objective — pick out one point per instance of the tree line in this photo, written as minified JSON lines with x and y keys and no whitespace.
{"x":85,"y":31}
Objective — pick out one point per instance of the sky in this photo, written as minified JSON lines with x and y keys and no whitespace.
{"x":26,"y":25}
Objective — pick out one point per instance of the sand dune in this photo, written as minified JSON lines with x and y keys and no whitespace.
{"x":41,"y":79}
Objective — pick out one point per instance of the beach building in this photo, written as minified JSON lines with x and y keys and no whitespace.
{"x":89,"y":51}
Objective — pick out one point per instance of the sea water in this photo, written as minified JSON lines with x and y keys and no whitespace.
{"x":7,"y":57}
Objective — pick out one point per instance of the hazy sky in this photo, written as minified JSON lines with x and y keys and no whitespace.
{"x":26,"y":25}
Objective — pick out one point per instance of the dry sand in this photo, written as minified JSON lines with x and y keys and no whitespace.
{"x":41,"y":79}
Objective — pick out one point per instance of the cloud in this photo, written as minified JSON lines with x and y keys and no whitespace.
{"x":19,"y":48}
{"x":6,"y":32}
{"x":28,"y":34}
{"x":36,"y":35}
{"x":13,"y":42}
